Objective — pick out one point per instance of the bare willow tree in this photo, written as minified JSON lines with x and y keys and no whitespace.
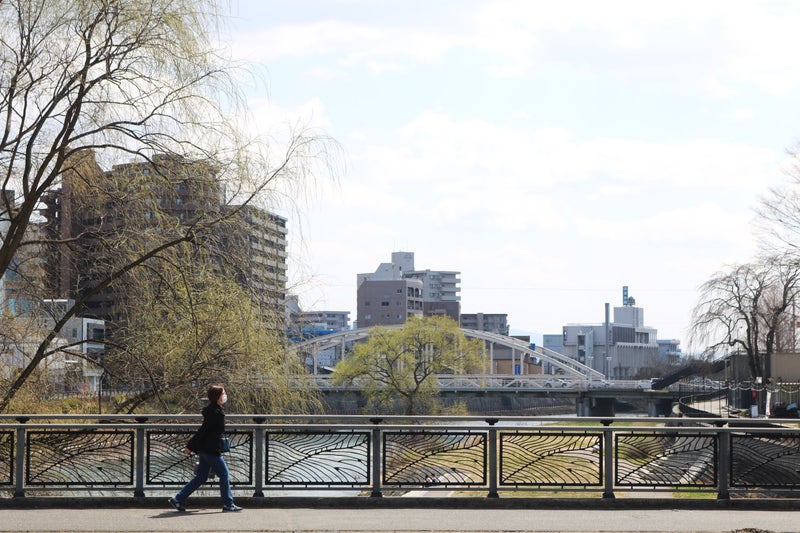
{"x":121,"y":79}
{"x":745,"y":308}
{"x":779,"y":213}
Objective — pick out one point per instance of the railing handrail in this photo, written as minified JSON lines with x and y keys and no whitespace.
{"x":260,"y":418}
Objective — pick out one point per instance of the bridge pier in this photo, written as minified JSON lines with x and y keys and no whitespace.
{"x":582,"y":405}
{"x":659,"y":406}
{"x":602,"y":407}
{"x":594,"y":406}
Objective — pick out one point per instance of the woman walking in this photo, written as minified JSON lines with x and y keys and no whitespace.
{"x":206,"y":444}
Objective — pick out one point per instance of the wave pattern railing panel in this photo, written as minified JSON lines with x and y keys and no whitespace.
{"x":86,"y":457}
{"x":318,"y":458}
{"x":765,"y":461}
{"x":365,"y":455}
{"x":168,"y":465}
{"x":166,"y":462}
{"x":6,"y":458}
{"x":666,"y":460}
{"x":434,"y":458}
{"x":544,"y":459}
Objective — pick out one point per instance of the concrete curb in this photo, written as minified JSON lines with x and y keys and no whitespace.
{"x":627,"y":503}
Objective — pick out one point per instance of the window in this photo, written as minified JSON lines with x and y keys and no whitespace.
{"x":384,"y":304}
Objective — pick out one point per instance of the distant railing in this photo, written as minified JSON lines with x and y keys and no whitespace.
{"x":487,"y":381}
{"x":143,"y":454}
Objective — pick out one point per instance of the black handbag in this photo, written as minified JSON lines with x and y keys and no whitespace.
{"x":224,"y":444}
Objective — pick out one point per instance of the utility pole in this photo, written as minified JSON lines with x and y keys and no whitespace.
{"x":607,"y":354}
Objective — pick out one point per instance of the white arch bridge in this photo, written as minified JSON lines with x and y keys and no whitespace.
{"x":519,"y":350}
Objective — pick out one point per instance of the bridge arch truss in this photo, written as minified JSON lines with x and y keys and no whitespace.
{"x":520,"y":349}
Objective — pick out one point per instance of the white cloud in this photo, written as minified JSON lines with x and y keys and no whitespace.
{"x":481,"y":156}
{"x":347,"y":45}
{"x":626,"y":144}
{"x":715,"y":45}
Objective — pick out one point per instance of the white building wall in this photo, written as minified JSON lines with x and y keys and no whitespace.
{"x":634,"y":349}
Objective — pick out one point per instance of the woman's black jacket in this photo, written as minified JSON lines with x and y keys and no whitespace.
{"x":206,"y":440}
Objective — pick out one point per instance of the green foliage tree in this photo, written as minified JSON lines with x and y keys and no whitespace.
{"x":399,"y":365}
{"x":191,"y":327}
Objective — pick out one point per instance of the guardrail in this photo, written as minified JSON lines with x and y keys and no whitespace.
{"x":106,"y":454}
{"x":489,"y":381}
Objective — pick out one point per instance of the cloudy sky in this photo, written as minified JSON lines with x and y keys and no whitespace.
{"x":551,"y":152}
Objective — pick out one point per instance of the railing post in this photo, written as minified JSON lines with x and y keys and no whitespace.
{"x":19,"y":460}
{"x":377,"y":457}
{"x":260,"y":436}
{"x":493,"y":459}
{"x":138,"y":491}
{"x":608,"y":460}
{"x":723,"y":463}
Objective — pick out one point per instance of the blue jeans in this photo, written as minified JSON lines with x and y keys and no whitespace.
{"x":207,"y":463}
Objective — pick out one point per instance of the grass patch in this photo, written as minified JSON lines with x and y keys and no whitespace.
{"x":549,"y":494}
{"x":617,"y":423}
{"x":693,"y":495}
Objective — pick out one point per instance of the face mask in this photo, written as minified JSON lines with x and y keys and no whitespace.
{"x":224,"y":398}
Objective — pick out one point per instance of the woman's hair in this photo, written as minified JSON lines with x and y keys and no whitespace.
{"x":214,"y":392}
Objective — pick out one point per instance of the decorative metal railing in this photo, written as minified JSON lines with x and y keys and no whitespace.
{"x":106,"y":454}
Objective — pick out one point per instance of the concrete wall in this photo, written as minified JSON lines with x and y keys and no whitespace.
{"x":786,"y":367}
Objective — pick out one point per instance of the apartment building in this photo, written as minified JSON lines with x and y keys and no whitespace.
{"x":388,"y":302}
{"x":440,"y":292}
{"x":396,"y":290}
{"x":140,"y":203}
{"x":491,"y":322}
{"x":327,"y":320}
{"x":258,"y":239}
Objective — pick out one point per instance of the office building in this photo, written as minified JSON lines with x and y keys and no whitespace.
{"x":21,"y":284}
{"x":620,"y":348}
{"x":84,"y":341}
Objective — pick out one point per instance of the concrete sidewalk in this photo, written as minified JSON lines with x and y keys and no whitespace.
{"x":206,"y":516}
{"x":297,"y":520}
